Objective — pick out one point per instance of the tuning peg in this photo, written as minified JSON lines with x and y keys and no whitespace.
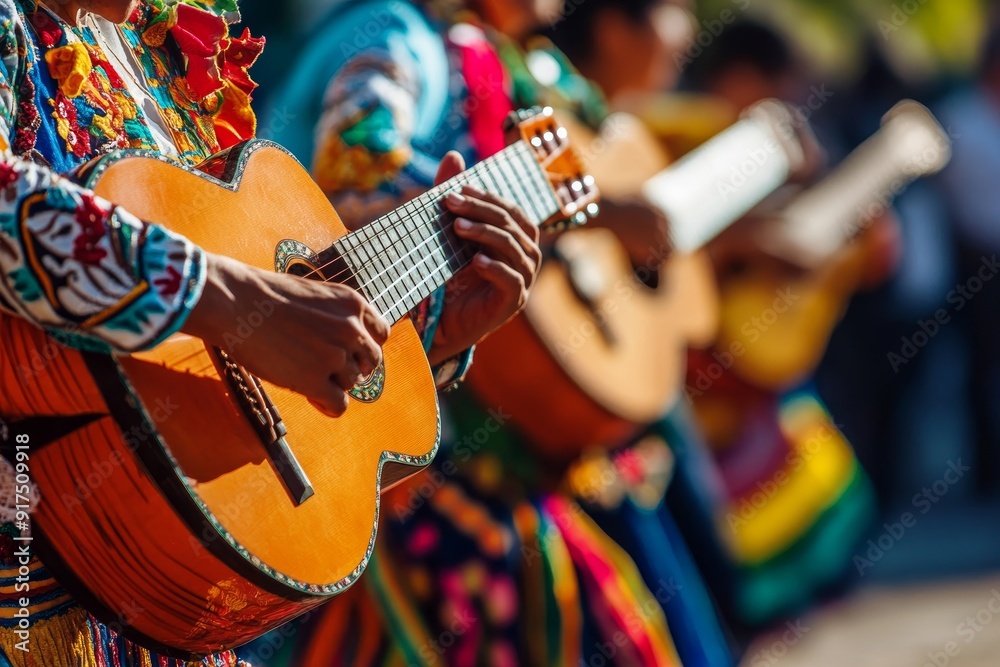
{"x":593,"y":210}
{"x":519,"y":116}
{"x":579,"y":220}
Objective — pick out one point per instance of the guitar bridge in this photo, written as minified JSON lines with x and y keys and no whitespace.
{"x":271,"y":430}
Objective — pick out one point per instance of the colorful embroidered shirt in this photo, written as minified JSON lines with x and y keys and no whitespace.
{"x":73,"y":264}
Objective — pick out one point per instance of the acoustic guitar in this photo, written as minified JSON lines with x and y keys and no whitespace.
{"x":600,"y":351}
{"x":816,"y":233}
{"x":193,"y":505}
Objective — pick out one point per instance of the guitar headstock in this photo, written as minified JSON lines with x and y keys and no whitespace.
{"x":575,"y":190}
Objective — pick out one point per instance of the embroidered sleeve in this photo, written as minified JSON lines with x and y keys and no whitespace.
{"x":88,"y":272}
{"x":364,"y":157}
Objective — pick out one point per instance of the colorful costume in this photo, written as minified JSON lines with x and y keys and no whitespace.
{"x":484,"y":560}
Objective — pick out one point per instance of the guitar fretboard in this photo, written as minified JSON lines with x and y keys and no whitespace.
{"x":403,"y":257}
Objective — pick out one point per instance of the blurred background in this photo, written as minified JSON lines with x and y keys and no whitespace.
{"x":918,"y":399}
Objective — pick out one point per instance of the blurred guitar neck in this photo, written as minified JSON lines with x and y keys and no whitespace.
{"x":818,"y":223}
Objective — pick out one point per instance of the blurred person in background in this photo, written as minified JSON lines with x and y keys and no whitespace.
{"x":973,"y":204}
{"x":774,"y":441}
{"x":499,"y":565}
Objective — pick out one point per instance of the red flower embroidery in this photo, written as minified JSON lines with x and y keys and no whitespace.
{"x":77,"y":138}
{"x":8,"y":174}
{"x":235,"y":120}
{"x":199,"y":34}
{"x":239,"y":55}
{"x":91,"y":218}
{"x":217,"y":73}
{"x":170,"y":284}
{"x":48,"y":30}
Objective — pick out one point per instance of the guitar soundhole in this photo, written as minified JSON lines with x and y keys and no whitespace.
{"x":297,"y":259}
{"x":370,"y":390}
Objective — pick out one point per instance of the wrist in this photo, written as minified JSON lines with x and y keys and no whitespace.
{"x":215,"y":311}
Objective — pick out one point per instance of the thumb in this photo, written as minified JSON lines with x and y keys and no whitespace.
{"x":452,"y":165}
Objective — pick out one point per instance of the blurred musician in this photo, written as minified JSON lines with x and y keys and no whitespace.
{"x":796,"y":500}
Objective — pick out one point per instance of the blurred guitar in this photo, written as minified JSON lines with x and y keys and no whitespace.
{"x":815,"y":233}
{"x":598,"y":351}
{"x":224,"y":506}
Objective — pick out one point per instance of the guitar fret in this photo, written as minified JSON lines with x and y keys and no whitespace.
{"x":406,"y":254}
{"x":520,"y":194}
{"x":547,"y":203}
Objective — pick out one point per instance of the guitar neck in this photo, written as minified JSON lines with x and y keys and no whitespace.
{"x":715,"y":185}
{"x":821,"y":221}
{"x":403,"y":257}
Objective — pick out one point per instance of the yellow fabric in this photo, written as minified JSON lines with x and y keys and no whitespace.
{"x":826,"y":465}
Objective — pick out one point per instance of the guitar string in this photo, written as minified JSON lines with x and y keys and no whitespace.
{"x":431,"y":199}
{"x":441,"y":267}
{"x":459,"y":254}
{"x":422,"y":207}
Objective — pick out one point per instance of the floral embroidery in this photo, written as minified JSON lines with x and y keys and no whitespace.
{"x":196,"y":72}
{"x":90,"y":217}
{"x":217,"y":79}
{"x":71,"y":66}
{"x":199,"y":35}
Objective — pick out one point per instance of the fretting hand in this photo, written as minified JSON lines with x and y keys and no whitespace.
{"x":495,"y":287}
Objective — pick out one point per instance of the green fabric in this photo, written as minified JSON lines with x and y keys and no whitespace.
{"x":820,"y":557}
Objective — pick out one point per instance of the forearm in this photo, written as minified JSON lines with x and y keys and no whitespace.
{"x":87,"y":271}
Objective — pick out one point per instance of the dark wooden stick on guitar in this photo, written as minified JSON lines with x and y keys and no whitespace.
{"x":226,"y":506}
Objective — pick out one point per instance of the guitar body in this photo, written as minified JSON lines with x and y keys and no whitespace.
{"x":783,"y":323}
{"x":586,"y":377}
{"x":164,"y":512}
{"x":590,"y":370}
{"x":784,"y":339}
